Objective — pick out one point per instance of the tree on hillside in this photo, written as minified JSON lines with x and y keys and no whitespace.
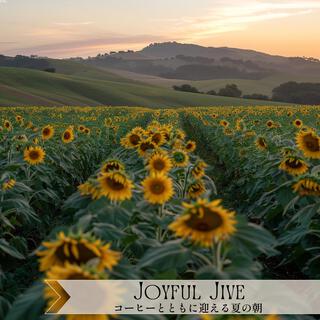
{"x":256,"y":96}
{"x":230,"y":90}
{"x":186,"y":88}
{"x":301,"y":93}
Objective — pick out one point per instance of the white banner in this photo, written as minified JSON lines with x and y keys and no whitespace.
{"x":185,"y":297}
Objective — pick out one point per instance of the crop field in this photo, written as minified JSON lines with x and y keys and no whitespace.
{"x":138,"y":193}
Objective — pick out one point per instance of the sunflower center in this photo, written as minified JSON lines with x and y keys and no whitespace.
{"x":294,"y":164}
{"x":67,"y":135}
{"x":115,"y":185}
{"x":179,"y":157}
{"x":159,"y":164}
{"x":156,"y":138}
{"x":312,"y":143}
{"x":157,"y":187}
{"x":46,"y":131}
{"x":210,"y":221}
{"x":146,"y":146}
{"x":134,"y":139}
{"x":34,"y":155}
{"x":85,"y":254}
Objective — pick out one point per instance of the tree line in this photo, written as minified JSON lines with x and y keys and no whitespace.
{"x":292,"y":92}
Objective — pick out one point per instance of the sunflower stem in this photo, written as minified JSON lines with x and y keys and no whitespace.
{"x":219,"y":263}
{"x":186,"y":182}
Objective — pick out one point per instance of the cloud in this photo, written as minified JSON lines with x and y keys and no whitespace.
{"x":88,"y":46}
{"x":237,"y":15}
{"x":69,"y":24}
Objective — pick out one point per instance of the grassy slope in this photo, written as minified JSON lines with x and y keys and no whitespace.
{"x":82,"y":85}
{"x":264,"y":86}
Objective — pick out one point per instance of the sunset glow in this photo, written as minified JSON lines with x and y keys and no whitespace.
{"x":81,"y":28}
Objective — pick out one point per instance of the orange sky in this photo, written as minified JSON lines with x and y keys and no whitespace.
{"x":63,"y":28}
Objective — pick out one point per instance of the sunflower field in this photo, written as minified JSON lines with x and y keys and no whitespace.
{"x":137,"y":193}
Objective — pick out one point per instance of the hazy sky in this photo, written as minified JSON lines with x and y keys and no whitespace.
{"x":63,"y":28}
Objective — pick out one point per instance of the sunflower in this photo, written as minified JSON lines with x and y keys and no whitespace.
{"x":7,"y":125}
{"x":309,"y":143}
{"x":145,"y":146}
{"x":180,"y":134}
{"x":68,"y":135}
{"x":19,"y":118}
{"x":87,"y":131}
{"x":196,"y":189}
{"x":307,"y":186}
{"x":47,"y":132}
{"x":204,"y":222}
{"x":180,"y":158}
{"x":270,"y":124}
{"x":158,"y":188}
{"x":81,"y":128}
{"x":9,"y":184}
{"x":190,"y":146}
{"x":224,"y":123}
{"x":158,"y":138}
{"x":298,"y":123}
{"x":34,"y":155}
{"x":90,"y":188}
{"x":159,"y":163}
{"x":132,"y":139}
{"x":198,"y":171}
{"x":21,"y":138}
{"x":116,"y":186}
{"x":294,"y":165}
{"x":261,"y":143}
{"x":112,"y":165}
{"x":77,"y":249}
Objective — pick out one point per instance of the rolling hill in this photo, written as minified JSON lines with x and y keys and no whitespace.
{"x":77,"y":84}
{"x":171,"y":63}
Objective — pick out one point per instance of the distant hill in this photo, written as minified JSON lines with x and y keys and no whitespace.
{"x":80,"y":85}
{"x":193,"y":62}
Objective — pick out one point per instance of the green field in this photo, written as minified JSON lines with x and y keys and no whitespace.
{"x":263,"y":86}
{"x":77,"y":84}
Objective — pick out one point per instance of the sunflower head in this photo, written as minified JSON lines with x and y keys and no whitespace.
{"x":34,"y":155}
{"x":7,"y":125}
{"x":90,"y":188}
{"x":224,"y":123}
{"x":81,"y":128}
{"x":294,"y":165}
{"x":308,"y":185}
{"x":309,"y":143}
{"x":87,"y":131}
{"x":8,"y":184}
{"x":180,"y":158}
{"x":190,"y":146}
{"x":132,"y":139}
{"x":47,"y":132}
{"x":298,"y":123}
{"x":261,"y":143}
{"x":19,"y":118}
{"x":158,"y":138}
{"x":145,"y":147}
{"x":270,"y":124}
{"x":204,"y":222}
{"x":77,"y":249}
{"x":112,"y":165}
{"x":196,"y":189}
{"x":68,"y":135}
{"x":159,"y":163}
{"x":115,"y":186}
{"x":158,"y":188}
{"x":198,"y":171}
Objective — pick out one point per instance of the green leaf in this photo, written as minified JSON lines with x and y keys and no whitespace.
{"x":10,"y":250}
